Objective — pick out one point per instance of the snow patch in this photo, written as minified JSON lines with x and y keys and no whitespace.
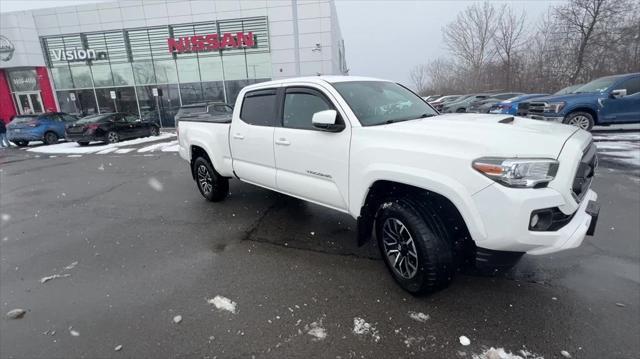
{"x":500,"y":353}
{"x":177,"y":319}
{"x":223,"y":303}
{"x":75,"y":148}
{"x":16,"y":313}
{"x":124,"y":150}
{"x":361,"y":327}
{"x":421,"y":317}
{"x":155,"y":184}
{"x":74,"y":333}
{"x":52,"y":277}
{"x":316,"y":330}
{"x":118,"y":348}
{"x":74,"y":156}
{"x":464,"y":340}
{"x":5,"y":217}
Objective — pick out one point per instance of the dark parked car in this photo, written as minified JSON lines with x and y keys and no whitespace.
{"x":47,"y":127}
{"x":110,"y":127}
{"x":460,"y":106}
{"x":212,"y":111}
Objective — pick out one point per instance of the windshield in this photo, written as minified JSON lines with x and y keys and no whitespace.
{"x":92,"y":119}
{"x":380,"y":102}
{"x":598,"y":85}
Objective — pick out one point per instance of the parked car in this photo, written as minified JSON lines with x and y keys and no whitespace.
{"x":483,"y":106}
{"x":462,"y":105}
{"x":440,"y":102}
{"x":604,"y":101}
{"x":110,"y":127}
{"x":218,"y":111}
{"x":431,"y":98}
{"x":47,"y":127}
{"x":437,"y":190}
{"x":511,"y":105}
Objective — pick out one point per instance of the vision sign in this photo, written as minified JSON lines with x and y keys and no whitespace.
{"x":78,"y":55}
{"x":211,"y":42}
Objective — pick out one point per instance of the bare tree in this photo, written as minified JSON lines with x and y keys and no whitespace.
{"x":418,"y":76}
{"x":586,"y":22}
{"x":508,"y":39}
{"x":469,"y":37}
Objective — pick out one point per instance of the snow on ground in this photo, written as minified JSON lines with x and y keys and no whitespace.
{"x":316,"y":330}
{"x":155,"y":184}
{"x":75,"y":148}
{"x":160,"y":147}
{"x":500,"y":353}
{"x":421,"y":317}
{"x":61,"y":274}
{"x":464,"y":340}
{"x":223,"y":303}
{"x":361,"y":327}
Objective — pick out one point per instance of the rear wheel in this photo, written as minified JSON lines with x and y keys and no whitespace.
{"x":112,"y":137}
{"x":83,"y":143}
{"x":50,"y":138}
{"x":583,"y":120}
{"x":212,"y":186}
{"x":415,"y":245}
{"x":154,"y":131}
{"x":461,"y":110}
{"x":22,"y":143}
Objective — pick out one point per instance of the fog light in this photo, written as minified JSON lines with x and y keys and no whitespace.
{"x":534,"y":221}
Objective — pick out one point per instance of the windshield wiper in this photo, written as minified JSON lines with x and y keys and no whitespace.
{"x":424,"y":115}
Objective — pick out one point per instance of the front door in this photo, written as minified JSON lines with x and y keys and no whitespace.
{"x":626,"y":108}
{"x":29,"y":102}
{"x":311,"y":163}
{"x":251,"y":138}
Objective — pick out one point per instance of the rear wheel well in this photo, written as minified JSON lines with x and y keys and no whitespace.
{"x":593,"y":113}
{"x":197,"y":151}
{"x":382,"y":191}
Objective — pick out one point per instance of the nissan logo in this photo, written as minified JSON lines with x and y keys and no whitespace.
{"x":6,"y":49}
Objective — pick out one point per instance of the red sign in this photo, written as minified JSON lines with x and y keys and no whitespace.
{"x":211,"y":42}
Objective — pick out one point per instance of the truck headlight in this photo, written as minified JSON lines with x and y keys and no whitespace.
{"x":554,"y":107}
{"x":518,"y":172}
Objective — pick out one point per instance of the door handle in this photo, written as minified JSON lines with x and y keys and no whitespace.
{"x":238,"y":136}
{"x":282,"y":142}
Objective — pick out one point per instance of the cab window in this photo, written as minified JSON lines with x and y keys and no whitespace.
{"x":299,"y":106}
{"x":259,"y":108}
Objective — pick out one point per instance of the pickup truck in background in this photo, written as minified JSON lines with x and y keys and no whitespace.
{"x":435,"y":191}
{"x":205,"y":111}
{"x":605,"y":101}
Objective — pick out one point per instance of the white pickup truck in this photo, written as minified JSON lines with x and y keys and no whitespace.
{"x":435,"y":191}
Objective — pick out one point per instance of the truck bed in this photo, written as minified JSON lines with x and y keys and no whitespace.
{"x":210,"y":135}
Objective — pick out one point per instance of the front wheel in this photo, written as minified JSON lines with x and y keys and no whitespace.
{"x":83,"y":143}
{"x":50,"y":138}
{"x":582,"y":120}
{"x":415,"y":245}
{"x":113,"y":137}
{"x":154,"y":131}
{"x":212,"y":186}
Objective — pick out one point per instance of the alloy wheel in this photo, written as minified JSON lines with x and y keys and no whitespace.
{"x":580,"y":121}
{"x":204,"y":179}
{"x":400,"y":248}
{"x":112,"y":137}
{"x":51,"y":138}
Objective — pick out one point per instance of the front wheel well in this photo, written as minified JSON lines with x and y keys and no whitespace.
{"x":588,"y":110}
{"x":382,"y":191}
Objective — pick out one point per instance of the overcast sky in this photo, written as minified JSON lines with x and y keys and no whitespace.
{"x":383,"y":38}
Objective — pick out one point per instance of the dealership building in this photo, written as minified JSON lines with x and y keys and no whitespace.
{"x":150,"y":57}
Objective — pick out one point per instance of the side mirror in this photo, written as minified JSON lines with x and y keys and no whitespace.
{"x":620,"y":93}
{"x":326,"y":120}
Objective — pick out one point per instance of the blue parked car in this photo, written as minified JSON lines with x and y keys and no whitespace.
{"x":47,"y":127}
{"x":605,"y":101}
{"x":510,"y":106}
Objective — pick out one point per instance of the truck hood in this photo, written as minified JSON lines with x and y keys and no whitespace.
{"x":479,"y":135}
{"x":567,"y":97}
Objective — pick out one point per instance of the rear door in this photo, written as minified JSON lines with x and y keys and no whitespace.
{"x":122,"y":127}
{"x":311,"y":163}
{"x":251,"y":138}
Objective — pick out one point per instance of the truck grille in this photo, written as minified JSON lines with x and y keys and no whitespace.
{"x":536,"y":108}
{"x":585,"y":172}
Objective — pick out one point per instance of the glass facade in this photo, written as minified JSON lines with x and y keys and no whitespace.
{"x":133,"y":62}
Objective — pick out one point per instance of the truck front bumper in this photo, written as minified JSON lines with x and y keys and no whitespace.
{"x":506,"y":218}
{"x":547,"y":118}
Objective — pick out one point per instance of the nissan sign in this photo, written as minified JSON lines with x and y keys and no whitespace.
{"x":6,"y":49}
{"x":211,"y":42}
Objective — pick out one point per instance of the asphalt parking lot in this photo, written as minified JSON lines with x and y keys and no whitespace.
{"x":117,"y":250}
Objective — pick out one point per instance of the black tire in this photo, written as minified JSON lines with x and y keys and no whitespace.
{"x":461,"y":110}
{"x":83,"y":143}
{"x":582,"y":120}
{"x":211,"y":185}
{"x":435,"y":265}
{"x":154,"y":131}
{"x":50,"y":138}
{"x":112,"y":137}
{"x":22,"y":143}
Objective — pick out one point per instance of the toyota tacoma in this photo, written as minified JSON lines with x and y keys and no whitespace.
{"x":434,"y":191}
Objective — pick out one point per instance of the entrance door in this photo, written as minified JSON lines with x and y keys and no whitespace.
{"x":29,"y":102}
